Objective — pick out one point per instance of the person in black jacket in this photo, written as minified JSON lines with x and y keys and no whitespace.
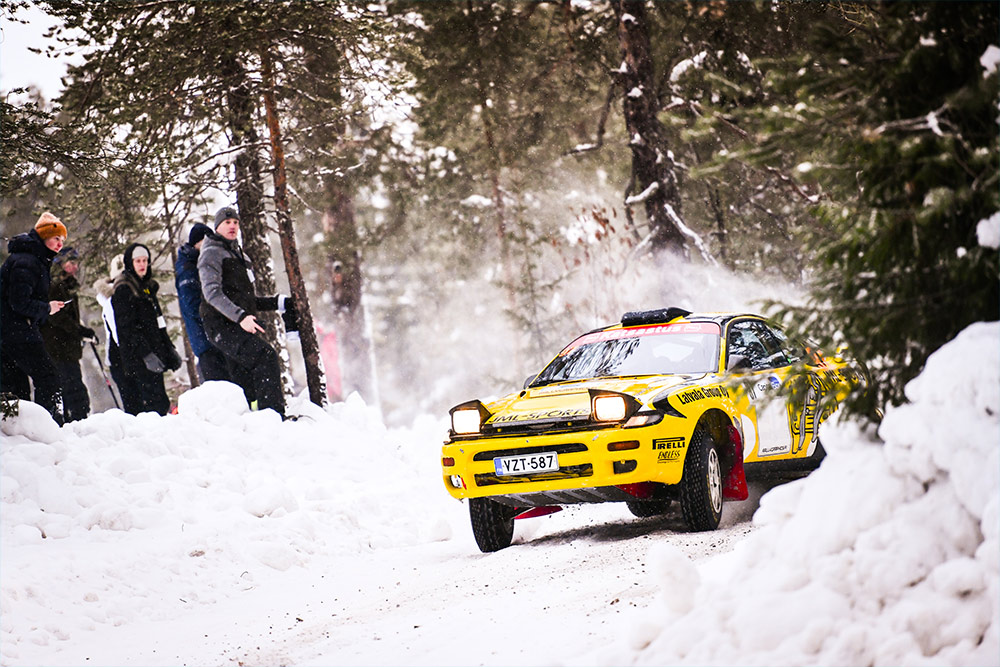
{"x":144,"y":346}
{"x":229,"y":310}
{"x":64,"y":335}
{"x":24,"y":305}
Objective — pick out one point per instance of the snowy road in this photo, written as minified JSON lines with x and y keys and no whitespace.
{"x":551,"y":598}
{"x":449,"y":604}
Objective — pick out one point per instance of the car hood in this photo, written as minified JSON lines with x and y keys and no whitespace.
{"x":569,"y":401}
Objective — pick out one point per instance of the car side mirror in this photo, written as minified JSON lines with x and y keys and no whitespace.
{"x":738,"y":362}
{"x":528,"y":380}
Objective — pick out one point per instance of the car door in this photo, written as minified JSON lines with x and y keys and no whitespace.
{"x":802,"y":391}
{"x":766,"y":365}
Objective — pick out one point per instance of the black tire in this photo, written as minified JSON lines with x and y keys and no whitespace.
{"x":647,"y":508}
{"x":701,"y":486}
{"x":492,"y":524}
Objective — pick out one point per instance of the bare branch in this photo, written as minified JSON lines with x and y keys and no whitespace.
{"x":601,"y":124}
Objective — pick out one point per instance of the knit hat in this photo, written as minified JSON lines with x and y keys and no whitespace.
{"x":224,"y":214}
{"x":49,"y":225}
{"x":198,"y":232}
{"x":67,"y":254}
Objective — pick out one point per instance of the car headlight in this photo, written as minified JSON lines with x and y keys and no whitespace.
{"x":466,"y":421}
{"x":609,"y":408}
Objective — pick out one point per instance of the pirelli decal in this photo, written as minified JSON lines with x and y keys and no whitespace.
{"x":668,"y":449}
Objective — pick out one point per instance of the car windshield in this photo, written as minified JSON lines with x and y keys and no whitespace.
{"x":655,"y":350}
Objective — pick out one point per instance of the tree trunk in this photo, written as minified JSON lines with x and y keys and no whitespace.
{"x":653,"y":166}
{"x":494,"y":167}
{"x":721,"y":233}
{"x":250,"y":188}
{"x":346,"y":288}
{"x":286,"y":232}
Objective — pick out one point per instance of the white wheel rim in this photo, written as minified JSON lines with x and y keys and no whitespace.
{"x":714,"y":480}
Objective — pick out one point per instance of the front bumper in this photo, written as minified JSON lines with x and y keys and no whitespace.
{"x":585,"y":463}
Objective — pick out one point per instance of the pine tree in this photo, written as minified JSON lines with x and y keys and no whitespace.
{"x":893,"y":113}
{"x":199,"y":66}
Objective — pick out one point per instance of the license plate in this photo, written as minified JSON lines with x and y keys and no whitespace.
{"x":526,"y":464}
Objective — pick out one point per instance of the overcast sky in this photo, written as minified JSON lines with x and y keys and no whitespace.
{"x":19,"y":67}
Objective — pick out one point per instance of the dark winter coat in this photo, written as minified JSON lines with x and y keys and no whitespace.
{"x":63,"y":332}
{"x":24,"y":288}
{"x":227,"y":284}
{"x":139,"y":322}
{"x":189,"y":297}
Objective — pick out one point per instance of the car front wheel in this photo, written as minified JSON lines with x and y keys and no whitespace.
{"x":701,"y":487}
{"x":492,"y":524}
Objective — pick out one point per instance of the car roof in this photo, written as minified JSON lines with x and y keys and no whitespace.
{"x":673,"y":315}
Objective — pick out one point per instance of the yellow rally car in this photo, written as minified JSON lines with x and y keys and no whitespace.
{"x":666,"y":405}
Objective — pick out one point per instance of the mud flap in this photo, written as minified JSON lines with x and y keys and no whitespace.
{"x":735,"y":486}
{"x":641,"y":490}
{"x":538,"y":511}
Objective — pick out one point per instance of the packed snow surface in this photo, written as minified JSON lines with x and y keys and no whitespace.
{"x":224,"y":536}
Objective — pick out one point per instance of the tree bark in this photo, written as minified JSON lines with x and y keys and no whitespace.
{"x":653,"y":166}
{"x":286,"y":232}
{"x":489,"y":134}
{"x":249,"y":186}
{"x":346,"y":284}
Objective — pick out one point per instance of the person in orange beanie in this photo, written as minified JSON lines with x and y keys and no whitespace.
{"x":24,"y":305}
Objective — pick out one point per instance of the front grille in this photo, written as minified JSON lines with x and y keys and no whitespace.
{"x":568,"y":472}
{"x":536,"y":428}
{"x":565,"y":448}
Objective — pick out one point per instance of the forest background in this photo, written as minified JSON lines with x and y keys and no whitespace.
{"x":456,"y":188}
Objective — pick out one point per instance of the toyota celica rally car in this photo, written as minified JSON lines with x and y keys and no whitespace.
{"x":665,"y":406}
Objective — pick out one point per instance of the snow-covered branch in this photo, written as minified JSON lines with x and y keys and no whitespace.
{"x":644,"y":195}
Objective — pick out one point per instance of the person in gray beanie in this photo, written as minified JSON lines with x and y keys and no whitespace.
{"x":212,"y":363}
{"x":229,"y":310}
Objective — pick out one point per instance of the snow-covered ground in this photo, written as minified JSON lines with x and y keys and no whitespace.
{"x":221,"y":537}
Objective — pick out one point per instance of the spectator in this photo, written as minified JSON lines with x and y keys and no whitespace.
{"x":211,"y":362}
{"x":104,"y":288}
{"x":229,"y":310}
{"x":24,"y":305}
{"x":145,"y":349}
{"x":64,"y":335}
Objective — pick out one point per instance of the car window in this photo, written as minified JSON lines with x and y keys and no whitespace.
{"x":640,"y":351}
{"x":793,"y":349}
{"x":752,"y":340}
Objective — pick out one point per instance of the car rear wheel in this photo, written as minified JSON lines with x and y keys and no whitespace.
{"x":492,"y":524}
{"x":701,"y":487}
{"x":647,"y":508}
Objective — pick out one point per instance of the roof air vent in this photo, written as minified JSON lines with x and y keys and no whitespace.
{"x":659,"y":316}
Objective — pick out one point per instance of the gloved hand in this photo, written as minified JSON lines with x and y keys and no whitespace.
{"x":290,"y":317}
{"x":153,"y":363}
{"x":86,"y":333}
{"x":173,"y":359}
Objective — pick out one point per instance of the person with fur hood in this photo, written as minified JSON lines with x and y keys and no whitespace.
{"x":229,"y":309}
{"x":24,"y":305}
{"x":104,"y":288}
{"x":143,"y":345}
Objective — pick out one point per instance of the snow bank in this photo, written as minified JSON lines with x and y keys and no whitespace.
{"x":132,"y":531}
{"x":122,"y":519}
{"x":888,"y":554}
